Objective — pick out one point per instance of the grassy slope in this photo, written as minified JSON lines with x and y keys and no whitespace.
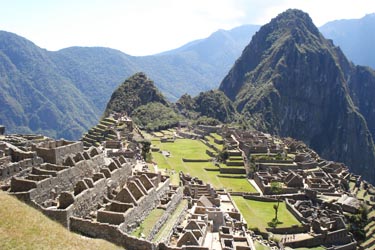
{"x":258,"y":214}
{"x":194,"y":149}
{"x":23,"y":227}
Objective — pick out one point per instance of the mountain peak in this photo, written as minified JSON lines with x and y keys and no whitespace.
{"x":293,"y":82}
{"x":292,"y":21}
{"x":134,"y":92}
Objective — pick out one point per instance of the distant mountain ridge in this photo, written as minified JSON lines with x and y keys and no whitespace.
{"x":291,"y":81}
{"x":63,"y":93}
{"x":356,"y":38}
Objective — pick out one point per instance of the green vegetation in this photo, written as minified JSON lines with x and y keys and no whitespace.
{"x":259,"y":246}
{"x":155,"y":116}
{"x":23,"y":227}
{"x":209,"y":108}
{"x":148,"y":223}
{"x":258,"y":214}
{"x":139,"y":98}
{"x":276,"y":189}
{"x":136,"y":91}
{"x":168,"y":225}
{"x":195,"y":149}
{"x":215,"y":104}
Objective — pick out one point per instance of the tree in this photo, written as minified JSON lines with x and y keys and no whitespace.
{"x":276,"y":189}
{"x":146,"y":146}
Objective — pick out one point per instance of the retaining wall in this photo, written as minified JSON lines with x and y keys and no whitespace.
{"x":110,"y":233}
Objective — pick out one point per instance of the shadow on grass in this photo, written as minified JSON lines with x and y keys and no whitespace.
{"x":274,"y":223}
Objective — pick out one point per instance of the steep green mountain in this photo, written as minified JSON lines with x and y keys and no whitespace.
{"x":63,"y":93}
{"x":138,"y":97}
{"x":213,"y":103}
{"x":134,"y":92}
{"x":356,"y":37}
{"x":293,"y":82}
{"x":34,"y":96}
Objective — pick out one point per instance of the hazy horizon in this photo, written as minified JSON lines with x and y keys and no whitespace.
{"x":148,"y":27}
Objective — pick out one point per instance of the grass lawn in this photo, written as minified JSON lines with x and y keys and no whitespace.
{"x":168,"y":225}
{"x":147,"y":225}
{"x":23,"y":227}
{"x":195,"y":149}
{"x":259,"y":213}
{"x":259,"y":246}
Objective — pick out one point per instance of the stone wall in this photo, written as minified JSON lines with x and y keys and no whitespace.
{"x":195,"y":160}
{"x":259,"y":198}
{"x":231,"y":170}
{"x":145,"y":205}
{"x":65,"y":180}
{"x":7,"y":171}
{"x":175,"y":201}
{"x":339,"y":237}
{"x":110,"y":233}
{"x":294,"y":211}
{"x":177,"y":222}
{"x":55,"y":151}
{"x":290,"y":230}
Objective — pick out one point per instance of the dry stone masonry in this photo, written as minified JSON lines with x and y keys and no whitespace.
{"x":101,"y":187}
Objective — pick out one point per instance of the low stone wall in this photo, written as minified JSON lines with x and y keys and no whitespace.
{"x":210,"y":153}
{"x":230,"y":170}
{"x":235,"y":163}
{"x":110,"y":233}
{"x":175,"y":201}
{"x":265,"y":161}
{"x":294,"y":211}
{"x":195,"y":160}
{"x":210,"y":145}
{"x":339,"y":237}
{"x":259,"y":198}
{"x":189,"y":135}
{"x":290,"y":230}
{"x":217,"y":141}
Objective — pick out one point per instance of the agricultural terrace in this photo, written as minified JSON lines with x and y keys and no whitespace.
{"x":206,"y":171}
{"x":211,"y":140}
{"x":259,"y":213}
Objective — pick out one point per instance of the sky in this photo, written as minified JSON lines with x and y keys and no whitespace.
{"x":145,"y":27}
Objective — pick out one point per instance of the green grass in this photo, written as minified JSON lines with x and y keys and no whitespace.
{"x":259,"y":213}
{"x":195,"y":149}
{"x":23,"y":227}
{"x":168,"y":225}
{"x":259,"y":246}
{"x":148,"y":223}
